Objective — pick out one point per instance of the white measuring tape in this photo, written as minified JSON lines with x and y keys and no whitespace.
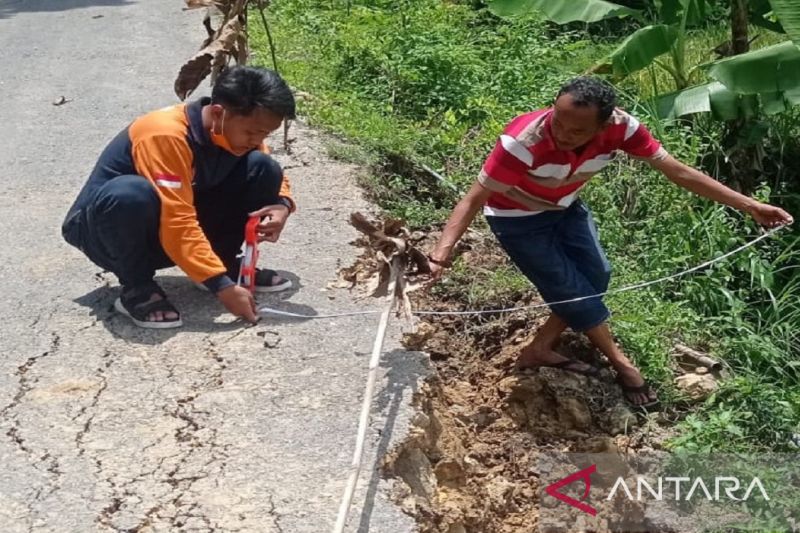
{"x":265,"y":310}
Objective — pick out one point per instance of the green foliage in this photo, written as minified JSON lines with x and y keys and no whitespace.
{"x":743,"y":408}
{"x":422,"y":82}
{"x":485,"y":288}
{"x":772,"y":73}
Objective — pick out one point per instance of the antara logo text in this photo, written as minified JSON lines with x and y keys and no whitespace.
{"x":732,"y":488}
{"x":721,"y":488}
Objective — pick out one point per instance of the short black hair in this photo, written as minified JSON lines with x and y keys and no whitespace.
{"x":242,"y":89}
{"x":586,"y":91}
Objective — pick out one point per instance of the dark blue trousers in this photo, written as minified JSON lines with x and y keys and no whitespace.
{"x":560,"y":253}
{"x":115,"y":223}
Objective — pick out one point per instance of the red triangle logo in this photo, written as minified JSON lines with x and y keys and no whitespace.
{"x":584,"y":475}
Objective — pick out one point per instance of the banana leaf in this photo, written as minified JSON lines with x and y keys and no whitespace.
{"x":671,"y":11}
{"x":761,"y":15}
{"x":714,"y":98}
{"x":788,"y":13}
{"x":641,"y":48}
{"x":772,"y":69}
{"x":562,"y":11}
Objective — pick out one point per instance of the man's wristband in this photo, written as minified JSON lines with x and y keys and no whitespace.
{"x":446,"y":263}
{"x":285,"y":201}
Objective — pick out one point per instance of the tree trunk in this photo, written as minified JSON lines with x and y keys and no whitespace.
{"x":742,"y":159}
{"x":739,"y":39}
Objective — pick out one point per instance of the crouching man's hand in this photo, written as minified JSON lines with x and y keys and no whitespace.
{"x":239,"y":302}
{"x":274,"y":219}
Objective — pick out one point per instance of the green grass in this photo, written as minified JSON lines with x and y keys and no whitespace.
{"x":483,"y":288}
{"x":408,"y":83}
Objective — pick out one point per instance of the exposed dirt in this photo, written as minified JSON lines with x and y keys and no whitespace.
{"x":470,"y":463}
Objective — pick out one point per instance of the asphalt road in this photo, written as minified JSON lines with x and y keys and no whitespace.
{"x":213,"y":427}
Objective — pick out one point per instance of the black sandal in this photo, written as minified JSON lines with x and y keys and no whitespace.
{"x":644,"y":388}
{"x":136,"y":305}
{"x":265,"y":281}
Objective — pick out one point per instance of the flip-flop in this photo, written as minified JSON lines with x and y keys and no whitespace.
{"x":645,"y":389}
{"x":570,"y":365}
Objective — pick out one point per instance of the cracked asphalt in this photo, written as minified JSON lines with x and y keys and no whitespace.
{"x":213,"y":427}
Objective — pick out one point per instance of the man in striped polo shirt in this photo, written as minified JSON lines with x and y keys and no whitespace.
{"x":528,"y":189}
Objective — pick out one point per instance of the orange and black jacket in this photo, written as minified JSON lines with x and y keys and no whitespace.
{"x":171,"y":148}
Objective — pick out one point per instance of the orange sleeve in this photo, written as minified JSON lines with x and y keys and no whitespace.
{"x":286,"y":187}
{"x":166,"y":160}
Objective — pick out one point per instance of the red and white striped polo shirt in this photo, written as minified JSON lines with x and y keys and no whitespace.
{"x":528,"y":174}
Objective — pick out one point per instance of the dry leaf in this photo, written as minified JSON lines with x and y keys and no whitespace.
{"x":391,"y":256}
{"x":210,"y":31}
{"x":242,"y":52}
{"x":194,"y":71}
{"x":220,"y":62}
{"x":226,"y":42}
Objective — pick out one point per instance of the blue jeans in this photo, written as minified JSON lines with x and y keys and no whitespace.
{"x":116,"y":222}
{"x":559,"y":252}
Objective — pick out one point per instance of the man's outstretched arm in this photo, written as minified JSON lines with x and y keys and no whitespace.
{"x":701,"y":184}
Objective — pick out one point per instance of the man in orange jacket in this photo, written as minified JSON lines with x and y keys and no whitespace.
{"x":177,"y":186}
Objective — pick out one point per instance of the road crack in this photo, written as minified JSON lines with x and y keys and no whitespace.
{"x":24,"y":381}
{"x":201,"y":454}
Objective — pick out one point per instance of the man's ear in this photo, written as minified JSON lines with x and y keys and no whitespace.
{"x":217,"y":110}
{"x":217,"y":118}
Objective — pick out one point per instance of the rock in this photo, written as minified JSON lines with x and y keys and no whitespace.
{"x":472,"y":464}
{"x":499,"y":491}
{"x":574,"y":413}
{"x":449,"y":472}
{"x":661,"y":516}
{"x":416,"y":339}
{"x":697,"y":386}
{"x":457,"y":528}
{"x":600,"y":445}
{"x":701,"y":370}
{"x":520,"y":388}
{"x":620,"y":420}
{"x":484,"y":417}
{"x":564,"y":382}
{"x":480,"y":453}
{"x":413,"y":467}
{"x":421,"y":420}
